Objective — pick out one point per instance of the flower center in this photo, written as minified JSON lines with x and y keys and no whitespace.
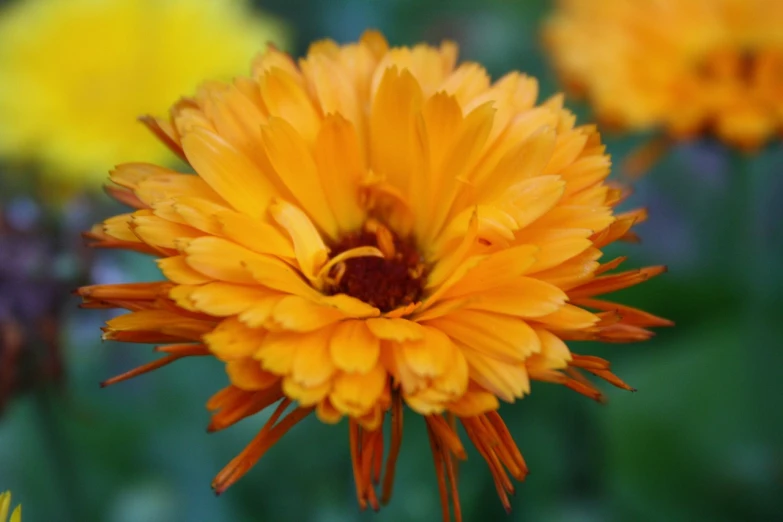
{"x":388,"y":282}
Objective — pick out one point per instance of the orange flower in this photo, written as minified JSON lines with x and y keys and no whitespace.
{"x":371,"y":228}
{"x":688,"y":66}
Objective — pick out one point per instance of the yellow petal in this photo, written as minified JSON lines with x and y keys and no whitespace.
{"x":255,"y":234}
{"x":285,"y":99}
{"x":310,"y":250}
{"x":504,"y":337}
{"x":229,"y":172}
{"x":341,"y":167}
{"x":395,"y":329}
{"x":160,"y":232}
{"x":221,"y":259}
{"x":198,"y":213}
{"x":327,"y":413}
{"x":223,"y":299}
{"x":312,"y":364}
{"x":430,"y":356}
{"x":306,"y":395}
{"x":259,"y":314}
{"x":355,"y":393}
{"x":554,"y":355}
{"x":568,"y":317}
{"x":5,"y":505}
{"x":232,"y":340}
{"x":495,"y":270}
{"x":555,"y":246}
{"x":176,"y":270}
{"x":353,"y":347}
{"x":530,"y":199}
{"x":474,"y":403}
{"x":300,"y":314}
{"x":464,"y":151}
{"x":332,"y":86}
{"x":391,"y":126}
{"x":522,"y":297}
{"x":278,"y":275}
{"x":276,"y":353}
{"x":246,"y":374}
{"x":293,"y":161}
{"x":508,"y":381}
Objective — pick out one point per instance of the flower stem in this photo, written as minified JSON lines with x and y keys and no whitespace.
{"x":753,"y":267}
{"x":57,"y":453}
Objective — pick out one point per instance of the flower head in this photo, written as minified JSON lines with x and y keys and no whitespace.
{"x":77,"y":73}
{"x":690,"y":67}
{"x":5,"y":506}
{"x":372,"y":228}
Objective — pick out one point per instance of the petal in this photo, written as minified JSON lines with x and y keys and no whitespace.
{"x":232,"y":340}
{"x":474,"y":403}
{"x":286,"y":100}
{"x":501,"y":336}
{"x":176,"y":270}
{"x":355,"y":393}
{"x":395,"y":329}
{"x":229,"y":172}
{"x":299,"y":314}
{"x":255,"y":234}
{"x":306,"y":395}
{"x":568,"y":317}
{"x":295,"y":166}
{"x":221,"y":299}
{"x":507,"y":381}
{"x":246,"y":374}
{"x":312,"y":364}
{"x":221,"y":259}
{"x":428,"y":357}
{"x":522,"y":297}
{"x":311,"y":252}
{"x":498,"y":269}
{"x":353,"y":347}
{"x":391,"y":125}
{"x":341,"y":167}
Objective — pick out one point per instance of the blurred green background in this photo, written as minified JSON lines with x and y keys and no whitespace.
{"x":702,"y":439}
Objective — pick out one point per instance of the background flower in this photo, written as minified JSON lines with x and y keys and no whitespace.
{"x":690,"y":67}
{"x":77,"y":73}
{"x":5,"y":506}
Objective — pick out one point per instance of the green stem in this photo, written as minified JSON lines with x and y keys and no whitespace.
{"x":755,"y":274}
{"x":56,"y":451}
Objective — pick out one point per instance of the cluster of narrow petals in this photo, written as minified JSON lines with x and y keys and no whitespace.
{"x":690,"y":67}
{"x":371,"y":229}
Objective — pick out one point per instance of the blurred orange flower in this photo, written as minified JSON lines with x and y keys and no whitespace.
{"x":371,"y":228}
{"x":688,"y":66}
{"x":76,"y":73}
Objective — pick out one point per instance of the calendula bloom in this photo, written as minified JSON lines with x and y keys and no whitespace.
{"x":370,"y":228}
{"x":687,"y":66}
{"x":5,"y":506}
{"x":77,"y":73}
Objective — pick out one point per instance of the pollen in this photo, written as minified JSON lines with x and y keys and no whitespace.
{"x":395,"y":280}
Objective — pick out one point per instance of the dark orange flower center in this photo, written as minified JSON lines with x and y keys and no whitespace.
{"x":386,"y":283}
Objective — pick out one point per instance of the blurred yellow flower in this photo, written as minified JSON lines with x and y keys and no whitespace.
{"x":689,"y":66}
{"x":5,"y":506}
{"x":373,"y":227}
{"x":77,"y":73}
